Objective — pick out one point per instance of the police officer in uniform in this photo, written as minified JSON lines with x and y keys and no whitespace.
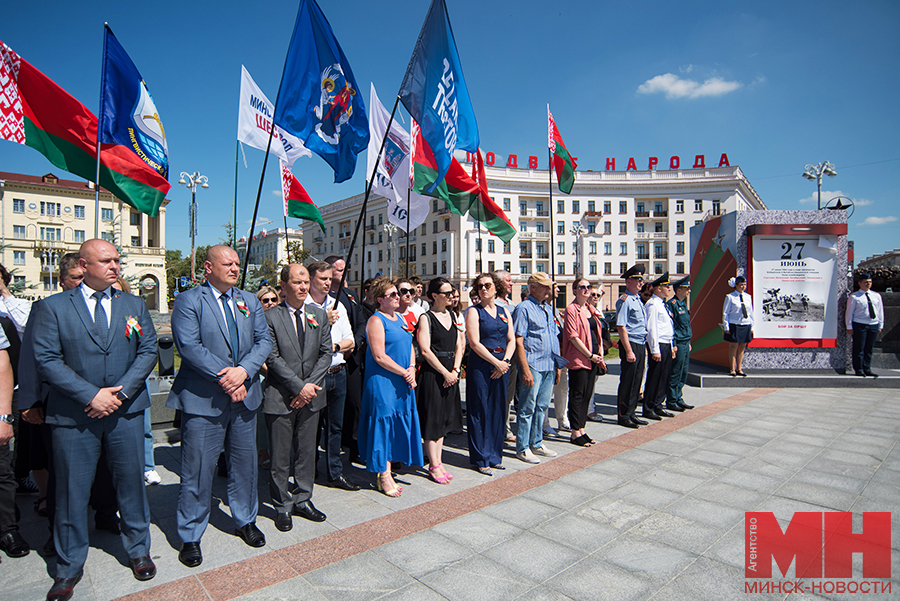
{"x":631,"y":322}
{"x":681,"y":318}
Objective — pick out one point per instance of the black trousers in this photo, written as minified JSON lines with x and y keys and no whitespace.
{"x":581,"y":389}
{"x":658,"y":379}
{"x":863,"y":344}
{"x":7,"y":492}
{"x":630,"y":380}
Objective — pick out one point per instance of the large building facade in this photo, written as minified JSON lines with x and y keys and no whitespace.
{"x":611,"y":220}
{"x":44,"y":217}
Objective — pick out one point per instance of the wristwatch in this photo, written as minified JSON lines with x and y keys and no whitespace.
{"x":8,"y":418}
{"x":508,"y":361}
{"x":335,"y":349}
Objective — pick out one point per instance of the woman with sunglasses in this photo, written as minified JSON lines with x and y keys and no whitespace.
{"x":582,"y":345}
{"x":492,"y":344}
{"x":268,"y":297}
{"x":388,"y":422}
{"x":437,"y":392}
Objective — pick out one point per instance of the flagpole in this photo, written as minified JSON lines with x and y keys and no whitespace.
{"x":479,"y":247}
{"x":256,"y":206}
{"x":408,"y":194}
{"x":550,"y":179}
{"x":287,"y":243}
{"x":100,"y":123}
{"x":237,"y":145}
{"x":362,"y":212}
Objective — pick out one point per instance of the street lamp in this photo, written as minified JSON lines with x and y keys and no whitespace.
{"x":49,"y":260}
{"x":391,"y":230}
{"x":191,"y":180}
{"x":816,"y":172}
{"x":578,"y":231}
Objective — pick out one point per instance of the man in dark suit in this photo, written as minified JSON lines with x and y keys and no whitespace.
{"x":96,"y":346}
{"x":223,"y":340}
{"x":300,"y":357}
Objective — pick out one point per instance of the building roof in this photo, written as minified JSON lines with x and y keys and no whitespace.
{"x":50,"y":180}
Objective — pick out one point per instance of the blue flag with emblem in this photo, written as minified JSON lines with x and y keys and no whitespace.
{"x":128,"y":115}
{"x":435,"y":94}
{"x":318,"y":100}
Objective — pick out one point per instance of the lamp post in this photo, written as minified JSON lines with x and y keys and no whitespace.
{"x":391,"y":230}
{"x":191,"y":181}
{"x":578,"y":231}
{"x":816,"y":172}
{"x":49,"y":260}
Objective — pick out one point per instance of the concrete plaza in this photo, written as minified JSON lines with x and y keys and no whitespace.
{"x":654,"y":513}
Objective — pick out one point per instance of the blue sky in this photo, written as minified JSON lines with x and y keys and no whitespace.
{"x":775,"y":85}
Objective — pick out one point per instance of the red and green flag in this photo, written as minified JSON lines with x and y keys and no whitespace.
{"x":462,"y":193}
{"x":562,"y":160}
{"x":36,"y":112}
{"x":297,"y":202}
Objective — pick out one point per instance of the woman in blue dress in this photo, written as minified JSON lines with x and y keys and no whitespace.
{"x":388,"y":422}
{"x":491,"y":347}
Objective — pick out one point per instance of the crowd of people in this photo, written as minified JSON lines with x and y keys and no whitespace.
{"x":267,"y":380}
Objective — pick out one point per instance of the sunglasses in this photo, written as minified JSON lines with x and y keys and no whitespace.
{"x":407,"y":290}
{"x":485,"y":285}
{"x":582,"y":287}
{"x":444,"y":292}
{"x":270,"y":299}
{"x":595,"y":296}
{"x":391,"y":295}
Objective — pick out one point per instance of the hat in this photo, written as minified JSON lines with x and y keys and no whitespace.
{"x":662,"y":280}
{"x":636,"y":271}
{"x":539,"y":277}
{"x":682,"y":283}
{"x":864,"y":276}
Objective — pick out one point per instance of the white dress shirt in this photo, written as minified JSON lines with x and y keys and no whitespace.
{"x":858,"y":309}
{"x":91,"y":302}
{"x":340,"y":330}
{"x":17,"y":310}
{"x":659,"y":324}
{"x":731,"y":312}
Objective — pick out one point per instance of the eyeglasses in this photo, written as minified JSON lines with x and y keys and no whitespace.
{"x":595,"y":296}
{"x":582,"y":287}
{"x":445,"y":292}
{"x":270,"y":299}
{"x":407,"y":290}
{"x":391,"y":295}
{"x":485,"y":285}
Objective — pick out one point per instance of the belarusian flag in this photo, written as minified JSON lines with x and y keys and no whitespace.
{"x":461,"y":193}
{"x":562,"y":161}
{"x":297,"y":202}
{"x":36,"y":112}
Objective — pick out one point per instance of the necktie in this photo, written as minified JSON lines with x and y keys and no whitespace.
{"x":100,"y":321}
{"x":871,"y":306}
{"x":232,"y":327}
{"x":743,"y":307}
{"x":301,"y":334}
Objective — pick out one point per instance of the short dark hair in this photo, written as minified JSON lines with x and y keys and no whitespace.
{"x":434,"y":286}
{"x":4,"y":273}
{"x":286,"y":273}
{"x":66,"y":263}
{"x":416,"y":280}
{"x":317,"y":266}
{"x":332,"y":259}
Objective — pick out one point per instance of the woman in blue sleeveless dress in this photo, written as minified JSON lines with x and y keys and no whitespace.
{"x":491,"y":347}
{"x":388,"y":421}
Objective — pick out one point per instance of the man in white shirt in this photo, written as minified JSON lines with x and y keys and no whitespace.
{"x":660,"y":346}
{"x":320,"y":275}
{"x":16,"y":309}
{"x":864,"y":320}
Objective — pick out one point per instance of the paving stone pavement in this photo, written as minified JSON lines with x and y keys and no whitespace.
{"x":656,"y":513}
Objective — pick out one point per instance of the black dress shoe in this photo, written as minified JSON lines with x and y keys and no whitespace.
{"x":860,"y":373}
{"x":343,"y":483}
{"x":684,"y":405}
{"x":639,"y":421}
{"x":651,"y":415}
{"x":190,"y":555}
{"x":869,"y":372}
{"x":664,"y":413}
{"x":110,"y":524}
{"x":627,"y":423}
{"x":251,"y":535}
{"x":63,"y":588}
{"x":283,"y":521}
{"x":674,"y":407}
{"x":14,"y":545}
{"x":142,"y":567}
{"x":307,"y":510}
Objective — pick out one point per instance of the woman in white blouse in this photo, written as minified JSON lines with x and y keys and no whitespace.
{"x":737,"y":320}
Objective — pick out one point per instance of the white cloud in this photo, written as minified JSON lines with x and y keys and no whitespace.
{"x":827,"y":195}
{"x":277,"y":192}
{"x":878,"y":220}
{"x":675,"y":87}
{"x":686,"y":69}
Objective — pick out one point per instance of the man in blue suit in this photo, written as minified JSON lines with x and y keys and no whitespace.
{"x":222,"y":337}
{"x":96,"y":346}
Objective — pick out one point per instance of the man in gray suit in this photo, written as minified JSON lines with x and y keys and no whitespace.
{"x":223,"y":340}
{"x":96,"y":346}
{"x":297,"y":364}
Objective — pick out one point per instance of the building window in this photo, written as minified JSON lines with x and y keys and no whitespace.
{"x":505,"y":204}
{"x":623,"y":207}
{"x":540,"y":268}
{"x":658,"y":268}
{"x":135,"y":218}
{"x":623,"y":267}
{"x":679,"y":206}
{"x":446,"y":225}
{"x":434,"y":267}
{"x":592,"y":206}
{"x":592,"y":227}
{"x":540,"y":209}
{"x":18,"y":205}
{"x":444,"y":267}
{"x":491,"y":266}
{"x":679,"y":227}
{"x":679,"y":249}
{"x":641,"y":251}
{"x":539,"y":226}
{"x":135,"y":240}
{"x":592,"y":266}
{"x":639,"y":207}
{"x":434,"y":247}
{"x":607,"y":248}
{"x":575,"y":248}
{"x":593,"y":248}
{"x":607,"y":227}
{"x":380,"y":239}
{"x":424,"y":270}
{"x":607,"y":206}
{"x":523,"y":227}
{"x":444,"y":245}
{"x":658,"y":227}
{"x":380,"y":221}
{"x":108,"y":236}
{"x":717,"y":207}
{"x":434,"y":227}
{"x":523,"y":207}
{"x":658,"y":252}
{"x":424,"y":249}
{"x":561,"y":268}
{"x":560,"y":206}
{"x":18,"y":257}
{"x":55,"y":233}
{"x":560,"y":248}
{"x":607,"y":268}
{"x":561,"y":227}
{"x":434,"y":207}
{"x":639,"y":227}
{"x":381,"y":255}
{"x":623,"y":227}
{"x":679,"y":267}
{"x":524,"y":268}
{"x":576,"y":206}
{"x":658,"y":207}
{"x":698,"y":206}
{"x":107,"y":215}
{"x":52,"y":209}
{"x":507,"y":266}
{"x":507,"y":248}
{"x":369,"y":258}
{"x":490,"y":246}
{"x":79,"y":236}
{"x":19,"y":232}
{"x":424,"y":229}
{"x":623,"y":248}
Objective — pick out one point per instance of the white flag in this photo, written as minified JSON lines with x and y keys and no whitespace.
{"x":392,"y":177}
{"x":255,"y":123}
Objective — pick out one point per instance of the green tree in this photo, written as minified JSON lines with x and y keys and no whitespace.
{"x":296,"y":252}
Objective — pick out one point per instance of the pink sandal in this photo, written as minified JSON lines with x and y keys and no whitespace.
{"x":445,"y":479}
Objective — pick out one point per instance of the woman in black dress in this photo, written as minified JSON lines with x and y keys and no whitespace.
{"x":441,"y":344}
